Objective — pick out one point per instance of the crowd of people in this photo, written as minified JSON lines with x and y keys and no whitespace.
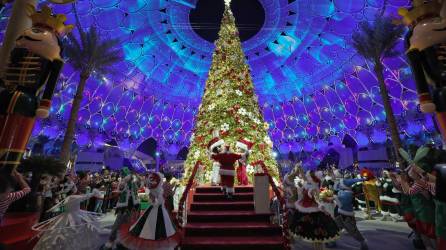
{"x":322,"y":203}
{"x":72,"y":206}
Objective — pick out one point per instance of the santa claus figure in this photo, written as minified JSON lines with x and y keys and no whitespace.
{"x":244,"y":148}
{"x":227,"y":160}
{"x":215,"y":147}
{"x":29,"y":82}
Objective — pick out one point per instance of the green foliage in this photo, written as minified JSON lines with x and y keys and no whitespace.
{"x":43,"y":165}
{"x":229,"y":105}
{"x":378,"y":39}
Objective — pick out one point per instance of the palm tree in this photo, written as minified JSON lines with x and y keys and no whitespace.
{"x":376,"y":41}
{"x":90,"y":54}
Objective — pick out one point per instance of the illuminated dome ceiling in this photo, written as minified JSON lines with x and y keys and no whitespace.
{"x":312,"y":86}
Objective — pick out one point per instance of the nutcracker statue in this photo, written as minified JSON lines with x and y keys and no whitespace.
{"x":426,"y":50}
{"x":29,"y":82}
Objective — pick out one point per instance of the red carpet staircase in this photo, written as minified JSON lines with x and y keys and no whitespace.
{"x":215,"y":222}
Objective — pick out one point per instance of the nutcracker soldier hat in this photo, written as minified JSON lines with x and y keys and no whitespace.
{"x":420,"y":10}
{"x":244,"y":144}
{"x":46,"y":19}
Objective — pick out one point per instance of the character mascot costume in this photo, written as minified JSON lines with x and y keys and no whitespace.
{"x":154,"y":229}
{"x":227,"y":160}
{"x":214,"y":147}
{"x":426,"y":48}
{"x":244,"y":148}
{"x":371,"y":191}
{"x":29,"y":82}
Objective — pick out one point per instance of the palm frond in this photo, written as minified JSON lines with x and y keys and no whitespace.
{"x":44,"y":165}
{"x":405,"y":155}
{"x":421,"y":153}
{"x":92,"y":52}
{"x":377,"y":39}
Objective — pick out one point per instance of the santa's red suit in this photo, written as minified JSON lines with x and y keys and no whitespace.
{"x":242,"y":177}
{"x":227,"y":169}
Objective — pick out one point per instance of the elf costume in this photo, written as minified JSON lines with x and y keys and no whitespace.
{"x":128,"y":203}
{"x":390,"y":198}
{"x":421,"y":200}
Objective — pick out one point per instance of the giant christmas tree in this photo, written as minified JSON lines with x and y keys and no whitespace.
{"x":229,"y":105}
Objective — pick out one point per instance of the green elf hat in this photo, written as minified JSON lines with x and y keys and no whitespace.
{"x":125,"y":171}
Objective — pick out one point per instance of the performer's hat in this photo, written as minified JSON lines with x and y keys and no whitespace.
{"x":215,"y":143}
{"x":365,"y":173}
{"x":244,"y":144}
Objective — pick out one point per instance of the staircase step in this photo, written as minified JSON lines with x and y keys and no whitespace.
{"x":239,"y":243}
{"x":202,"y":197}
{"x":248,"y":229}
{"x":227,"y":216}
{"x":217,"y":189}
{"x":223,"y":206}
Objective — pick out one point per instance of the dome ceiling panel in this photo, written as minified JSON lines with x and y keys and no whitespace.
{"x":310,"y":81}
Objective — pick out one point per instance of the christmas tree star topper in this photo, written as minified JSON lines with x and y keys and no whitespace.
{"x":227,"y":2}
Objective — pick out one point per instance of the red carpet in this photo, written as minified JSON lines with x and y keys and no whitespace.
{"x":216,"y":223}
{"x":16,"y":233}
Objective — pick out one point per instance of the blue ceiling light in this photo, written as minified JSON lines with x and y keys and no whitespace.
{"x":302,"y":62}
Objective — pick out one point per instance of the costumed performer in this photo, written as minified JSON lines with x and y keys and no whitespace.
{"x":428,"y":182}
{"x":154,"y":229}
{"x":344,"y":214}
{"x":291,"y":194}
{"x":422,"y":201}
{"x":74,"y":229}
{"x":214,"y":147}
{"x":244,"y":148}
{"x":227,"y":160}
{"x":371,"y":192}
{"x":126,"y":206}
{"x":390,"y":198}
{"x":314,"y":225}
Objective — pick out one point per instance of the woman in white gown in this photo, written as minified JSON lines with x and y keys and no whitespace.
{"x":154,"y":229}
{"x":74,"y":229}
